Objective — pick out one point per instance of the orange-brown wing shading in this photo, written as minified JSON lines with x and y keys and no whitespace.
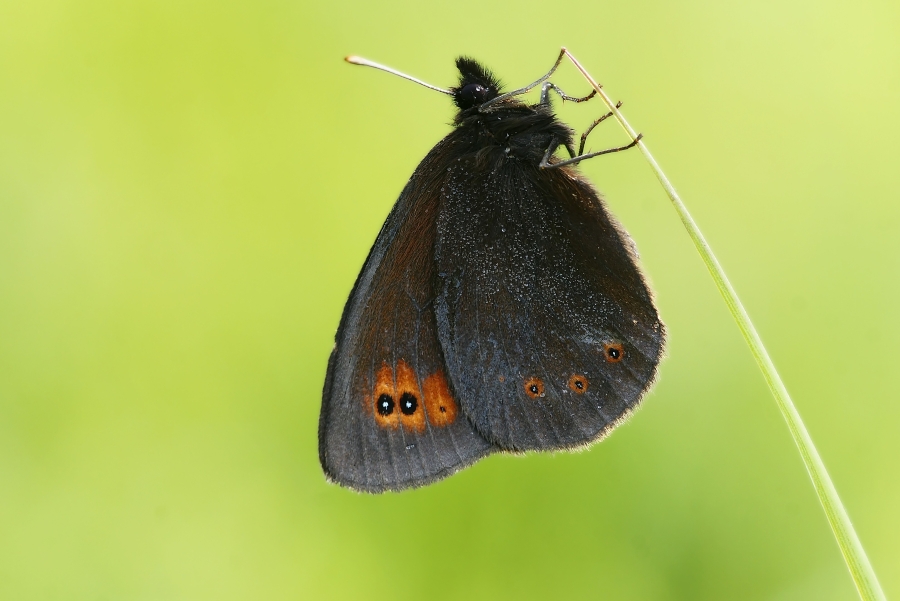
{"x":390,"y":418}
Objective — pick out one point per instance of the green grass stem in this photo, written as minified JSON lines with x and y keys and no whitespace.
{"x":854,"y":555}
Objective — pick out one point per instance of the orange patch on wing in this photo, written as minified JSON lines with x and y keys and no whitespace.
{"x":384,"y":399}
{"x":534,"y":387}
{"x":409,"y":399}
{"x":614,"y":351}
{"x":578,"y":383}
{"x":439,"y":401}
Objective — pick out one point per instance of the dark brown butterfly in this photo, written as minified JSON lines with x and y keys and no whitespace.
{"x":501,"y":307}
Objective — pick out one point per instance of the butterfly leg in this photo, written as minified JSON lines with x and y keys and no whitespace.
{"x":545,"y":94}
{"x":593,"y":125}
{"x":545,"y":162}
{"x":484,"y":107}
{"x":554,"y":144}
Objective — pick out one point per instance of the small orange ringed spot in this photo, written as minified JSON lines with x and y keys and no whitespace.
{"x":502,"y":379}
{"x":614,"y":351}
{"x":439,"y":403}
{"x":534,"y":387}
{"x":578,"y":383}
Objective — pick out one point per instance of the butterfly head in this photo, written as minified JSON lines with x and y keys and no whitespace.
{"x":476,"y":86}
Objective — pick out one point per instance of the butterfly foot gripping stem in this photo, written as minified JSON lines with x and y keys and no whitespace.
{"x":591,"y":127}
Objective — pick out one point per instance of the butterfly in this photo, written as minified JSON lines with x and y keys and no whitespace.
{"x":501,"y":308}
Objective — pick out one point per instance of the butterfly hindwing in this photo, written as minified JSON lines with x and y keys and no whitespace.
{"x":548,"y":328}
{"x":390,"y":418}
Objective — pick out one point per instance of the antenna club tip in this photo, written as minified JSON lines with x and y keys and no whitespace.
{"x":353,"y":59}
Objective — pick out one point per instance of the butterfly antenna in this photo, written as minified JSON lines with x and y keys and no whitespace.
{"x":358,"y":60}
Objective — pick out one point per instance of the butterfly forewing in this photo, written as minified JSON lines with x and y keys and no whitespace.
{"x":547,"y":326}
{"x":390,"y":417}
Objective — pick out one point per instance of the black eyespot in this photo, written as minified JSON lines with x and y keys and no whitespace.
{"x":385,"y":404}
{"x":408,"y":403}
{"x":471,"y":95}
{"x":614,"y":353}
{"x":534,"y":389}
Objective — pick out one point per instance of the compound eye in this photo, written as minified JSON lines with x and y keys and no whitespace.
{"x":473,"y":94}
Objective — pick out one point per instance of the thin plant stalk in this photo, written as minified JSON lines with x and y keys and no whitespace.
{"x":854,"y":555}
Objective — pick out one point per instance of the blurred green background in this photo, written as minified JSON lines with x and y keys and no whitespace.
{"x":188,"y":189}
